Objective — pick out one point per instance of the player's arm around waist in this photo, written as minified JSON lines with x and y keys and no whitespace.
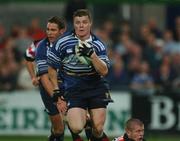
{"x":44,"y":78}
{"x":99,"y":64}
{"x":30,"y":67}
{"x":52,"y":73}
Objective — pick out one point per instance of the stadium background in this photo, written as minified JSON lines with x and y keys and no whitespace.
{"x":21,"y":110}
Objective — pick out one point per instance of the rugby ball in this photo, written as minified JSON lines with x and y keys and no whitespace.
{"x":83,"y":59}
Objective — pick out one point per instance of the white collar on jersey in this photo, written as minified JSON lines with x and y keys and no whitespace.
{"x":51,"y":44}
{"x":87,"y":40}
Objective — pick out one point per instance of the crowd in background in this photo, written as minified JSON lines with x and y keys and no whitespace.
{"x":146,"y":63}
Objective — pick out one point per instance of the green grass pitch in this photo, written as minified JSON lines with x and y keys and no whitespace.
{"x":43,"y":138}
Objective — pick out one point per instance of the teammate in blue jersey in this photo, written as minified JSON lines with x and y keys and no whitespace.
{"x":55,"y":28}
{"x":30,"y":64}
{"x":85,"y":87}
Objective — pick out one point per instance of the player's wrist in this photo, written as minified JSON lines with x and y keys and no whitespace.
{"x":57,"y":93}
{"x":93,"y":54}
{"x":90,"y":52}
{"x":63,"y":98}
{"x":33,"y":77}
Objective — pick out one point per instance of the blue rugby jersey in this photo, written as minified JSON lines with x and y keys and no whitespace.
{"x":41,"y":58}
{"x":75,"y":73}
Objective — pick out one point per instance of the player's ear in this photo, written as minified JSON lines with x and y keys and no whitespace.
{"x":128,"y":132}
{"x":62,"y":30}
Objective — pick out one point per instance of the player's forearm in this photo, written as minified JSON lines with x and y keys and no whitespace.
{"x":30,"y":68}
{"x":52,"y":73}
{"x":47,"y":84}
{"x":99,"y":65}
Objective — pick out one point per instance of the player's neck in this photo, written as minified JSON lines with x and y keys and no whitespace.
{"x":87,"y":38}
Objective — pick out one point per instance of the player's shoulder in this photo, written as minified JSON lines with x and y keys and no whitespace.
{"x":42,"y":44}
{"x":97,"y":41}
{"x":95,"y":38}
{"x":36,"y":42}
{"x":65,"y":38}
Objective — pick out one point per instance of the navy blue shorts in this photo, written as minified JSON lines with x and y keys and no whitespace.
{"x":50,"y":107}
{"x":89,"y":99}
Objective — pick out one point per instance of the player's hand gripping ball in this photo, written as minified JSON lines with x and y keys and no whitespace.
{"x":83,"y":52}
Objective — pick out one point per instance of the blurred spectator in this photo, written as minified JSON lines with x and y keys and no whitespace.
{"x":143,"y":83}
{"x":176,"y":63}
{"x":2,"y":32}
{"x":14,"y":31}
{"x":176,"y":68}
{"x":143,"y":35}
{"x":118,"y":76}
{"x":152,"y":52}
{"x":120,"y":46}
{"x":164,"y":79}
{"x":169,"y":42}
{"x":104,"y":32}
{"x":9,"y":68}
{"x":133,"y":66}
{"x":23,"y":40}
{"x":177,"y":28}
{"x":71,"y":7}
{"x":127,"y":48}
{"x":125,"y":28}
{"x":24,"y":79}
{"x":152,"y":23}
{"x":35,"y":30}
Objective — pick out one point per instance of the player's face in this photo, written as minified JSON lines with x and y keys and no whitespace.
{"x":82,"y":26}
{"x":52,"y":31}
{"x":136,"y":133}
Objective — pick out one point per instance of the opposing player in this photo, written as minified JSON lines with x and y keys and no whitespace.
{"x":84,"y":85}
{"x":134,"y":131}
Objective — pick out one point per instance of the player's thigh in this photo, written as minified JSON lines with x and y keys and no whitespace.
{"x":98,"y":117}
{"x":76,"y":117}
{"x":50,"y":107}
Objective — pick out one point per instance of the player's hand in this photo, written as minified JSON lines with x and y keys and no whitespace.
{"x":62,"y":106}
{"x":57,"y":94}
{"x":85,"y":49}
{"x":35,"y":81}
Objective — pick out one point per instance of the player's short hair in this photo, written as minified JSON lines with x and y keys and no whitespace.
{"x":131,"y":122}
{"x":82,"y":12}
{"x":60,"y":22}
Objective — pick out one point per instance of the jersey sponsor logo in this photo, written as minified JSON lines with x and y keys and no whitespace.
{"x":69,"y":50}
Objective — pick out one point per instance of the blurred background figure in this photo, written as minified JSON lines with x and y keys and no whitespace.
{"x":142,"y":83}
{"x":118,"y":76}
{"x":71,"y":7}
{"x":35,"y":30}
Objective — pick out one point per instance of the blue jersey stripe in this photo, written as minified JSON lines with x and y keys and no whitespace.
{"x":64,"y":51}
